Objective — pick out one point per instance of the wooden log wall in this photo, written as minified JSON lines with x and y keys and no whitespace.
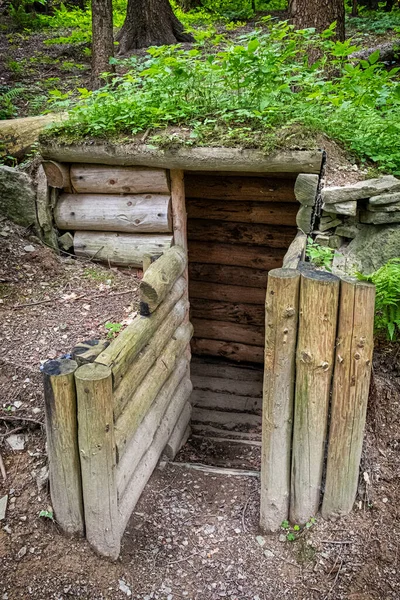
{"x":239,"y":228}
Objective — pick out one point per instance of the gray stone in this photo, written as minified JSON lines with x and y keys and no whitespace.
{"x":329,"y":225}
{"x":45,"y":201}
{"x":3,"y":507}
{"x":17,"y":197}
{"x":344,"y":208}
{"x":260,"y":540}
{"x":350,"y":230}
{"x":373,"y":247}
{"x":362,"y":189}
{"x":305,"y":188}
{"x":66,"y":241}
{"x":303,"y":218}
{"x":322,"y":240}
{"x":379,"y":218}
{"x":383,"y":207}
{"x":385,"y":199}
{"x":335,"y":242}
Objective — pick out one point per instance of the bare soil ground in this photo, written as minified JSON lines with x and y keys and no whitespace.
{"x":193,"y":535}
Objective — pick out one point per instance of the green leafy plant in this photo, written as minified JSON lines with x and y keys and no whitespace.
{"x":293,"y":532}
{"x":8,"y":110}
{"x":47,"y":514}
{"x":113,"y":329}
{"x":387,"y":303}
{"x":320,"y":256}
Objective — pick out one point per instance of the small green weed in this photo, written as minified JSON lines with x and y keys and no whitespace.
{"x":293,"y":532}
{"x":320,"y":256}
{"x":96,"y":275}
{"x":113,"y":329}
{"x":8,"y":110}
{"x":47,"y":514}
{"x":16,"y":67}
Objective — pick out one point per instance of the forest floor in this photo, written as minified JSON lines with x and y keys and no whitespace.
{"x":192,"y":535}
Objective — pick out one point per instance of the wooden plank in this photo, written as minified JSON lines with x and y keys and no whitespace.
{"x":296,"y":251}
{"x":224,"y":440}
{"x":350,"y":390}
{"x":217,"y":470}
{"x":229,"y":332}
{"x":209,"y":368}
{"x":232,"y":350}
{"x":220,"y":384}
{"x":240,"y":435}
{"x":180,"y":433}
{"x":246,"y":314}
{"x":226,"y":293}
{"x":269,"y":213}
{"x":242,"y":256}
{"x":225,"y":401}
{"x":276,"y":175}
{"x":281,"y":317}
{"x":62,"y":444}
{"x":106,"y":212}
{"x":98,"y":460}
{"x":101,"y":179}
{"x":229,"y":420}
{"x":229,"y":275}
{"x":214,"y":187}
{"x":124,"y":249}
{"x":255,"y":234}
{"x":319,"y":295}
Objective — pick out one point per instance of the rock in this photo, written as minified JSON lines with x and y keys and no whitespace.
{"x":335,"y":242}
{"x":329,"y":225}
{"x":305,"y":189}
{"x":385,"y":199}
{"x":3,"y":507}
{"x":268,"y":554}
{"x":322,"y":240}
{"x":344,"y":208}
{"x":260,"y":540}
{"x":42,"y":478}
{"x":304,"y":218}
{"x":29,"y":248}
{"x":350,"y":230}
{"x":362,"y":189}
{"x":16,"y":441}
{"x":66,"y":241}
{"x":22,"y":552}
{"x":383,"y":207}
{"x":379,"y":218}
{"x":17,"y":197}
{"x":282,"y":537}
{"x":125,"y":589}
{"x":372,"y":248}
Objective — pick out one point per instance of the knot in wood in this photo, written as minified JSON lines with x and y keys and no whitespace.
{"x":286,"y":330}
{"x":357,"y":356}
{"x":325,"y":366}
{"x":340,"y":359}
{"x":361,"y":342}
{"x":290,"y":312}
{"x":306,"y":357}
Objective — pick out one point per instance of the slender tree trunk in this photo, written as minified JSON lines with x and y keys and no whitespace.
{"x":150,"y":23}
{"x":319,"y":14}
{"x":102,"y":39}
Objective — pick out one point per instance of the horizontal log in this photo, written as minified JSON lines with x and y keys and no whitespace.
{"x":160,"y":277}
{"x":211,"y":368}
{"x":276,"y":175}
{"x":254,"y":257}
{"x":254,"y":234}
{"x":229,"y":332}
{"x":104,"y":212}
{"x":58,"y":175}
{"x":151,"y":457}
{"x":125,"y":348}
{"x":135,"y":411}
{"x":214,"y":400}
{"x":18,"y":135}
{"x":124,"y":249}
{"x":87,"y":351}
{"x":277,"y":213}
{"x":232,"y":350}
{"x":180,"y":433}
{"x":102,"y":179}
{"x":226,"y":293}
{"x":245,"y":314}
{"x":214,"y":187}
{"x":226,"y":274}
{"x":143,"y":438}
{"x":223,"y":385}
{"x":196,"y":159}
{"x":296,"y":251}
{"x":229,"y":420}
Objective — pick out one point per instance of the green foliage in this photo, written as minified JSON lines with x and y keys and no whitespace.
{"x":320,"y":256}
{"x":8,"y":110}
{"x":292,"y":533}
{"x":387,"y":304}
{"x":376,"y":22}
{"x":113,"y":329}
{"x":47,"y":514}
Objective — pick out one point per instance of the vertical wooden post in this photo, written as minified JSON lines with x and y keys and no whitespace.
{"x":281,"y":317}
{"x":319,"y":295}
{"x":98,"y":457}
{"x":62,"y":444}
{"x":350,"y":390}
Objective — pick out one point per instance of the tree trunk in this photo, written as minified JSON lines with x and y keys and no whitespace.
{"x":187,"y":5}
{"x":150,"y":23}
{"x":102,"y":39}
{"x":319,"y":14}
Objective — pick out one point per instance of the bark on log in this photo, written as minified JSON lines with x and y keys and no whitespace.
{"x":245,"y":314}
{"x":214,"y":187}
{"x":180,"y":433}
{"x":319,"y":294}
{"x":228,"y":275}
{"x":388,"y":52}
{"x":205,"y":230}
{"x":160,"y":278}
{"x":124,"y":249}
{"x":281,"y":317}
{"x":231,"y":350}
{"x":103,"y":212}
{"x":102,"y":179}
{"x":62,"y":444}
{"x":350,"y":390}
{"x":229,"y":332}
{"x":98,"y":458}
{"x":18,"y":135}
{"x":279,"y":213}
{"x":242,"y":256}
{"x":226,"y":293}
{"x":129,"y":421}
{"x":125,"y":348}
{"x":58,"y":175}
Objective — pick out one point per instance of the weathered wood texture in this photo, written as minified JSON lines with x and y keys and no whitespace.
{"x":229,"y":332}
{"x":62,"y":444}
{"x":18,"y":135}
{"x":224,"y":401}
{"x":101,"y":179}
{"x":350,"y":390}
{"x":281,"y":317}
{"x":135,"y":411}
{"x":227,"y":293}
{"x":122,"y":249}
{"x":277,"y":213}
{"x":180,"y":433}
{"x":228,"y":420}
{"x":150,"y":459}
{"x":87,"y":351}
{"x":229,"y":275}
{"x":245,"y":314}
{"x":103,"y":212}
{"x":231,"y":350}
{"x":57,"y":174}
{"x":295,"y":252}
{"x":230,"y":385}
{"x":212,"y":368}
{"x":98,"y":457}
{"x":179,"y":208}
{"x":125,"y":348}
{"x":214,"y":187}
{"x":319,"y":295}
{"x":160,"y":277}
{"x":227,"y":232}
{"x":242,"y":256}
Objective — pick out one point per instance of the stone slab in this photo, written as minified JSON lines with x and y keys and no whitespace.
{"x":360,"y":190}
{"x":385,"y":199}
{"x":306,"y":188}
{"x":343,"y":208}
{"x":379,"y":218}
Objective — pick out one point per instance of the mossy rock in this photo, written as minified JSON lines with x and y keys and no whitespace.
{"x":17,"y":197}
{"x":374,"y":246}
